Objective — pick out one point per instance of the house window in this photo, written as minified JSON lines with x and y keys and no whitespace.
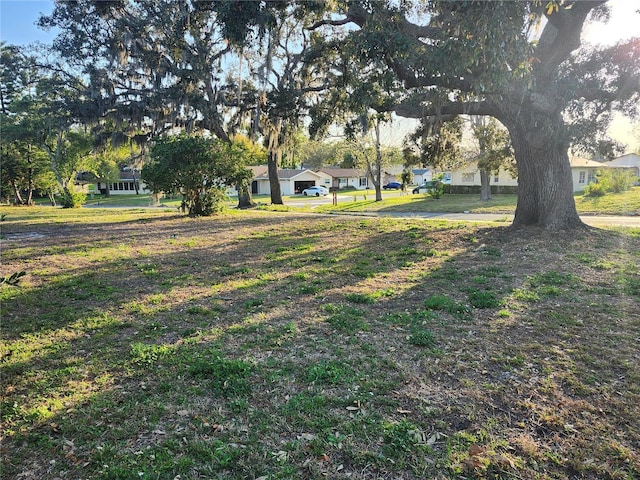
{"x":591,"y":177}
{"x":363,"y":181}
{"x":496,"y":178}
{"x":468,"y":177}
{"x":582,"y":177}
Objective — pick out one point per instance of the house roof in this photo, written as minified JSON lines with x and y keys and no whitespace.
{"x":343,"y":172}
{"x":284,"y":173}
{"x":393,"y":169}
{"x":628,"y":160}
{"x":420,"y":171}
{"x":259,"y":170}
{"x":578,"y":162}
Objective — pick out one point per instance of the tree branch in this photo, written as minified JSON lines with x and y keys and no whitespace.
{"x":561,"y":36}
{"x":415,"y":109}
{"x":411,"y":80}
{"x":331,"y":23}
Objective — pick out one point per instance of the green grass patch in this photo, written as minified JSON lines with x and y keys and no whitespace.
{"x":227,"y":377}
{"x":345,"y":318}
{"x":484,"y":299}
{"x":146,"y":344}
{"x":446,"y":304}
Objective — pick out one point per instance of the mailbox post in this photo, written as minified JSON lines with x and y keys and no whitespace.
{"x":334,"y":191}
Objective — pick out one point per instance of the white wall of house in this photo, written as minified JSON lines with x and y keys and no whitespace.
{"x":261,"y":185}
{"x":343,"y":178}
{"x":582,"y":172}
{"x":582,"y":176}
{"x":123,"y":187}
{"x":359,"y":183}
{"x":324,"y":180}
{"x":469,"y":175}
{"x":264,"y":188}
{"x":421,"y":175}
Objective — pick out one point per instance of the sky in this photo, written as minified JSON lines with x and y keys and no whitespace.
{"x":18,"y":17}
{"x":17,"y":21}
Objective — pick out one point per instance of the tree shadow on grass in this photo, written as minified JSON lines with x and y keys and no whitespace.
{"x":156,"y":349}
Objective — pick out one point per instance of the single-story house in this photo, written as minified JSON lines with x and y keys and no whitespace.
{"x":469,"y":176}
{"x":259,"y":171}
{"x":292,"y":181}
{"x":345,"y":178}
{"x":583,"y":172}
{"x":127,"y":183}
{"x":391,"y":173}
{"x":630,"y":160}
{"x":421,"y":175}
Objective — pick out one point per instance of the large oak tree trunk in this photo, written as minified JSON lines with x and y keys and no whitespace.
{"x":545,"y":185}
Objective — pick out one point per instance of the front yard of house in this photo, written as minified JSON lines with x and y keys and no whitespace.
{"x":146,"y":344}
{"x":627,"y":203}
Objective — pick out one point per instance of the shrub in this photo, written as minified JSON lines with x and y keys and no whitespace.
{"x":437,"y":191}
{"x":615,"y":180}
{"x":438,"y":187}
{"x":72,"y":199}
{"x":594,"y":190}
{"x":620,"y":179}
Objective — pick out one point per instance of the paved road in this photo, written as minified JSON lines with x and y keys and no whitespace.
{"x":592,"y":220}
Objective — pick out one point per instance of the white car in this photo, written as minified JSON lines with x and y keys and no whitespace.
{"x":317,"y":191}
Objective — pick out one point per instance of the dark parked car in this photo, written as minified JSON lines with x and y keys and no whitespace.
{"x":392,"y":186}
{"x":426,"y":187}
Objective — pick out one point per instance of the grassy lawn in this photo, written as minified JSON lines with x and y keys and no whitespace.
{"x":143,"y":344}
{"x":627,"y":203}
{"x":410,"y":203}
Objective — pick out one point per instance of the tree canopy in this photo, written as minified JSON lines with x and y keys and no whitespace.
{"x":153,"y":68}
{"x":519,"y":62}
{"x":200,"y":169}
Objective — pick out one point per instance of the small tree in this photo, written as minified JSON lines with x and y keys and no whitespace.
{"x":437,"y":191}
{"x":611,"y":180}
{"x":406,"y":177}
{"x":494,"y":152}
{"x":434,"y":143}
{"x":70,"y":154}
{"x":198,"y":167}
